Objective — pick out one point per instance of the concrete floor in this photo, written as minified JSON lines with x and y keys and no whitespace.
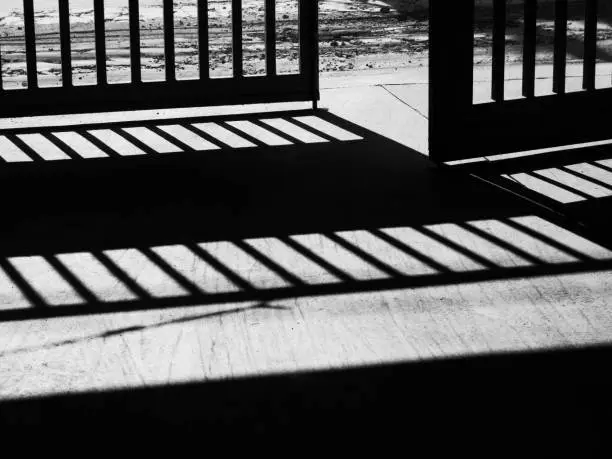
{"x":346,"y":254}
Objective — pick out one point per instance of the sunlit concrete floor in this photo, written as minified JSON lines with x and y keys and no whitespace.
{"x":493,"y":275}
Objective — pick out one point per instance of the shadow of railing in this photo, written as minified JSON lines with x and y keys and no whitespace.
{"x":250,"y":208}
{"x":575,"y":181}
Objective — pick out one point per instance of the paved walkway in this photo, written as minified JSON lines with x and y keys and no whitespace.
{"x":346,"y":252}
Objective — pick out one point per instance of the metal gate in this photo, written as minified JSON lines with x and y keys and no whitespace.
{"x":461,"y":129}
{"x":138,"y":94}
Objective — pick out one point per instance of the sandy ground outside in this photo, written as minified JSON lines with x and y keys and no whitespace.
{"x":355,"y":36}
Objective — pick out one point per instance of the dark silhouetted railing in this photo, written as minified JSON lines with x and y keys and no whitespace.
{"x":32,"y":99}
{"x":508,"y":121}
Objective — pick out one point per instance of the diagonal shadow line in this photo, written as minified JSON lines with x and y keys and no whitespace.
{"x":233,"y":277}
{"x":270,"y":264}
{"x":511,"y":185}
{"x":72,"y":280}
{"x":508,"y":178}
{"x":83,"y":131}
{"x":365,"y":256}
{"x":457,"y":248}
{"x":156,"y":259}
{"x":540,"y":160}
{"x":315,"y":131}
{"x":322,"y":136}
{"x":22,"y":284}
{"x":98,"y":143}
{"x":564,"y":186}
{"x":278,"y":132}
{"x":121,"y":275}
{"x":70,"y":150}
{"x":427,"y":261}
{"x":243,"y":134}
{"x":138,"y":328}
{"x":25,"y":148}
{"x":312,"y":256}
{"x":170,"y":138}
{"x":495,"y":240}
{"x":345,"y":124}
{"x":293,"y":292}
{"x":139,"y":123}
{"x":547,"y":240}
{"x":130,"y":138}
{"x":205,"y":135}
{"x":64,"y":147}
{"x":310,"y":129}
{"x":588,"y":178}
{"x":601,"y":166}
{"x":563,"y":213}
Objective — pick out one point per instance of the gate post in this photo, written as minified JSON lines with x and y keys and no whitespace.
{"x":451,"y":74}
{"x":309,"y":45}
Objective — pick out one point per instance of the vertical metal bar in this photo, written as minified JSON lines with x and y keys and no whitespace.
{"x":560,"y":60}
{"x":305,"y":47}
{"x":237,"y":37}
{"x":309,"y":44}
{"x":203,"y":39}
{"x":529,"y":48}
{"x":315,"y":55}
{"x":30,"y":43}
{"x":66,"y":51}
{"x":1,"y":73}
{"x":499,"y":50}
{"x":590,"y":45}
{"x":169,"y":40}
{"x":271,"y":37}
{"x":135,"y":41}
{"x":100,"y":41}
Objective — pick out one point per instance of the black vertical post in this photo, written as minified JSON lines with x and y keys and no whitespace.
{"x":499,"y":50}
{"x":309,"y":45}
{"x":66,"y":50}
{"x":529,"y":48}
{"x":315,"y":57}
{"x":169,"y":40}
{"x":451,"y":93}
{"x":271,"y":37}
{"x":237,"y":38}
{"x":100,"y":41}
{"x":590,"y":45}
{"x":30,"y":43}
{"x":560,"y":58}
{"x":135,"y":41}
{"x":203,"y":39}
{"x":1,"y":73}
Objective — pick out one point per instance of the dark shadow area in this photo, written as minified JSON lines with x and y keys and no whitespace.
{"x":308,"y":176}
{"x":546,"y":403}
{"x":313,"y":204}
